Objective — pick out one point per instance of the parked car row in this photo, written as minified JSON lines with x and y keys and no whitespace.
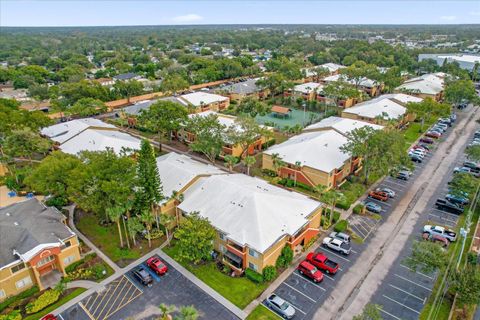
{"x":418,"y":152}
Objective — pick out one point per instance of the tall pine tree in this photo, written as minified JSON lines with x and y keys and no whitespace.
{"x":149,"y":191}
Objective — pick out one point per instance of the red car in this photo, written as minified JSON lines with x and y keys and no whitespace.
{"x":49,"y":317}
{"x":433,"y":134}
{"x":321,"y":261}
{"x":308,"y":270}
{"x":157,"y":265}
{"x":426,"y":140}
{"x":378,"y":195}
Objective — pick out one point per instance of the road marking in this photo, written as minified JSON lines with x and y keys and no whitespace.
{"x":330,"y":252}
{"x":443,"y":218}
{"x":60,"y":316}
{"x":380,"y":202}
{"x":86,"y":311}
{"x":447,"y":213}
{"x":303,"y":294}
{"x":130,"y":300}
{"x":417,"y":272}
{"x":104,"y":294}
{"x":400,"y":304}
{"x":300,"y":276}
{"x":118,"y":296}
{"x":413,"y":282}
{"x":298,"y":308}
{"x":354,"y":226}
{"x":387,"y":313}
{"x":353,"y":251}
{"x":398,"y":183}
{"x":399,"y":289}
{"x":109,"y":298}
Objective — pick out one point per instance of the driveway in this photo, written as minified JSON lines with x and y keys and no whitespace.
{"x":126,"y":297}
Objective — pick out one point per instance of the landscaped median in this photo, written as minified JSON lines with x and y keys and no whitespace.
{"x":238,"y":290}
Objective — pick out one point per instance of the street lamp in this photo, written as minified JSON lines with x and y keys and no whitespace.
{"x":304,"y":105}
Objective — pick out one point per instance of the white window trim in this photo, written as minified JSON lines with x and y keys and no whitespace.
{"x":2,"y":293}
{"x":255,"y":254}
{"x":25,"y":282}
{"x":253,"y":266}
{"x":68,"y":260}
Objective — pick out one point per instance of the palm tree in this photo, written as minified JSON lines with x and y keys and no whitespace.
{"x":128,"y":206}
{"x":134,"y":227}
{"x":178,"y":197}
{"x":277,"y":162}
{"x":331,"y":197}
{"x":475,"y":71}
{"x":230,"y":161}
{"x":249,"y":161}
{"x":166,"y":220}
{"x":188,"y":313}
{"x":115,"y":214}
{"x":298,"y":166}
{"x":147,"y":218}
{"x":165,"y":311}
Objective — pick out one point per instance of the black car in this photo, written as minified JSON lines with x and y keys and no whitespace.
{"x":416,"y":158}
{"x":143,"y":276}
{"x":472,"y":165}
{"x":445,"y":205}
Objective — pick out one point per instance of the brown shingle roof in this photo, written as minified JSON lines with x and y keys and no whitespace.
{"x":280,"y":109}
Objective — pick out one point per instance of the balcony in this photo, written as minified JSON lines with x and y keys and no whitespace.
{"x":235,"y":248}
{"x":233,"y":260}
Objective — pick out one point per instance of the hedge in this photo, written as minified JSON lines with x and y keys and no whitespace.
{"x":47,"y":298}
{"x":76,"y":264}
{"x":23,"y":295}
{"x":253,"y":275}
{"x":268,"y":143}
{"x":358,"y":209}
{"x":14,"y":315}
{"x":269,"y":172}
{"x":341,"y":226}
{"x":269,"y":273}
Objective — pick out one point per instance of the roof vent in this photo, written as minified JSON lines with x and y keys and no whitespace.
{"x":15,"y":223}
{"x":8,"y":214}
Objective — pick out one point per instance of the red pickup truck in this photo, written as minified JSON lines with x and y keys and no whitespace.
{"x":322,"y":262}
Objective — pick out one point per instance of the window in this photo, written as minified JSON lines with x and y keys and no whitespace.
{"x":45,"y":261}
{"x":2,"y":294}
{"x":68,"y":260}
{"x":67,"y":244}
{"x":222,"y":236}
{"x":252,"y":266}
{"x":23,"y":283}
{"x":18,"y":267}
{"x":222,"y":249}
{"x":253,"y":253}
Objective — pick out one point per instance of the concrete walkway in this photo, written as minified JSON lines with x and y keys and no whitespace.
{"x":81,"y":284}
{"x":356,"y":288}
{"x":71,"y":224}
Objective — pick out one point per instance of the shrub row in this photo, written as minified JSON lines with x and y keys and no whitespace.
{"x":253,"y":275}
{"x":14,"y":315}
{"x":341,"y":226}
{"x":358,"y":209}
{"x":291,"y":183}
{"x":76,"y":264}
{"x":47,"y":298}
{"x":23,"y":295}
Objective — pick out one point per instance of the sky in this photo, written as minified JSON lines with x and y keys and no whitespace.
{"x":185,"y":12}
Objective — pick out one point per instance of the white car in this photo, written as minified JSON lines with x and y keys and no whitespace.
{"x":440,"y":231}
{"x":337,"y":245}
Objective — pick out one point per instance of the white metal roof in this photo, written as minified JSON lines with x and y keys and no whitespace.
{"x":381,"y":106}
{"x":319,"y":150}
{"x":249,"y":210}
{"x":63,"y":131}
{"x":99,"y":140}
{"x":178,"y":170}
{"x":364,"y":82}
{"x":225,"y":120}
{"x":199,"y":98}
{"x":307,"y":87}
{"x":432,"y":83}
{"x":332,"y":67}
{"x":342,"y":125}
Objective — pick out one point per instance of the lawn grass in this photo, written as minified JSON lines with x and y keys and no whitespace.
{"x":262,"y":313}
{"x":107,"y":240}
{"x":240,"y":290}
{"x":352,"y":191}
{"x":57,"y":304}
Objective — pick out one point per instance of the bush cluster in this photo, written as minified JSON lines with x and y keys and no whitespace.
{"x":269,"y":173}
{"x":291,"y":183}
{"x":253,"y":275}
{"x":358,"y":209}
{"x":18,"y":298}
{"x":268,"y":144}
{"x":14,"y":315}
{"x":47,"y":298}
{"x":285,"y":258}
{"x":341,"y":226}
{"x":269,"y":273}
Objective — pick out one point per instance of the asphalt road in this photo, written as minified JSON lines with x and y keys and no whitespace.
{"x":126,"y":297}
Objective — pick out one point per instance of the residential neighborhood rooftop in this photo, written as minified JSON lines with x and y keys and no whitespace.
{"x":244,"y":87}
{"x":427,"y":84}
{"x":341,"y":125}
{"x":199,"y":98}
{"x":364,"y":82}
{"x":27,"y":227}
{"x":319,"y":150}
{"x":64,"y":131}
{"x":178,"y":170}
{"x":307,"y":87}
{"x":249,"y":210}
{"x":388,"y":107}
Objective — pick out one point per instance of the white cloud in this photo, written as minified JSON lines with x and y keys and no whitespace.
{"x":187,"y":18}
{"x":448,"y":18}
{"x":474,"y":13}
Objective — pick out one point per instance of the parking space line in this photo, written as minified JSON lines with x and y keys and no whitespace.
{"x":380,"y":202}
{"x":447,"y":213}
{"x":396,"y":183}
{"x":360,"y":225}
{"x":367,"y":222}
{"x":300,"y":276}
{"x":336,"y":255}
{"x":86,"y":311}
{"x":387,"y":313}
{"x":413,"y":282}
{"x":121,"y":306}
{"x":297,"y":308}
{"x":104,"y":295}
{"x":444,"y":221}
{"x":412,"y":295}
{"x":443,"y":218}
{"x":357,"y":230}
{"x":118,"y":296}
{"x":393,"y":300}
{"x":109,"y":298}
{"x":417,"y":272}
{"x":60,"y":315}
{"x":303,"y":294}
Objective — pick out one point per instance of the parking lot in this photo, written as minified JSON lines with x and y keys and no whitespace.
{"x":126,"y":297}
{"x":403,"y":293}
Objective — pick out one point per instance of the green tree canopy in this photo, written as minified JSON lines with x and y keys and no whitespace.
{"x":163,"y":117}
{"x":209,"y":135}
{"x":86,"y":107}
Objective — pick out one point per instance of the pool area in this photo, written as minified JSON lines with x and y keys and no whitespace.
{"x":296,"y":117}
